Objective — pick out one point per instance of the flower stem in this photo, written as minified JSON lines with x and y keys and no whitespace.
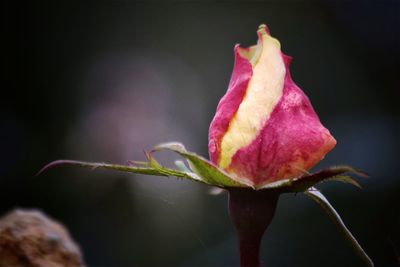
{"x":251,"y":212}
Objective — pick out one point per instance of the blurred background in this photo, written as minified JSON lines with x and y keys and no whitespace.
{"x":105,"y":81}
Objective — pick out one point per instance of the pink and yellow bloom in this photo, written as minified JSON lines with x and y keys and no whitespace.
{"x":265,"y":128}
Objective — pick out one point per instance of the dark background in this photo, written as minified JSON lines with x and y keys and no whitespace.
{"x":102,"y":82}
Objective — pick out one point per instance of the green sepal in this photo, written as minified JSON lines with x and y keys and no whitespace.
{"x":318,"y":197}
{"x":345,"y":179}
{"x":152,"y":167}
{"x":302,"y":183}
{"x":202,"y":170}
{"x":181,"y":166}
{"x":209,"y":173}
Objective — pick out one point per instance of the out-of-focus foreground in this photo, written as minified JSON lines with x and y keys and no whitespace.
{"x":28,"y":238}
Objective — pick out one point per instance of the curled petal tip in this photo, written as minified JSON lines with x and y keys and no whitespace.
{"x":263,"y":28}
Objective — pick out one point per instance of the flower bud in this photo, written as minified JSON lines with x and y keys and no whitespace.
{"x":265,"y":128}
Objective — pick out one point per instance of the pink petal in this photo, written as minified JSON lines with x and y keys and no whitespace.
{"x":229,"y":103}
{"x":292,"y":140}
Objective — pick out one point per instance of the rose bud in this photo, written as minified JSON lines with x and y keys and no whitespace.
{"x":265,"y":128}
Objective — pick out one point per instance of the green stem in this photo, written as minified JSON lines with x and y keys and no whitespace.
{"x":251,"y":212}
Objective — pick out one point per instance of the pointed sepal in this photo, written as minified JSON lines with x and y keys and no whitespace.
{"x":306,"y":181}
{"x":208,"y":172}
{"x":152,"y":167}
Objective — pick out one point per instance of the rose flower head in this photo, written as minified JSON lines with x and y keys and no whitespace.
{"x":265,"y":128}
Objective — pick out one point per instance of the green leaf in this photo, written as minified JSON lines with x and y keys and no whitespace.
{"x":318,"y":197}
{"x":148,"y":168}
{"x":202,"y":167}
